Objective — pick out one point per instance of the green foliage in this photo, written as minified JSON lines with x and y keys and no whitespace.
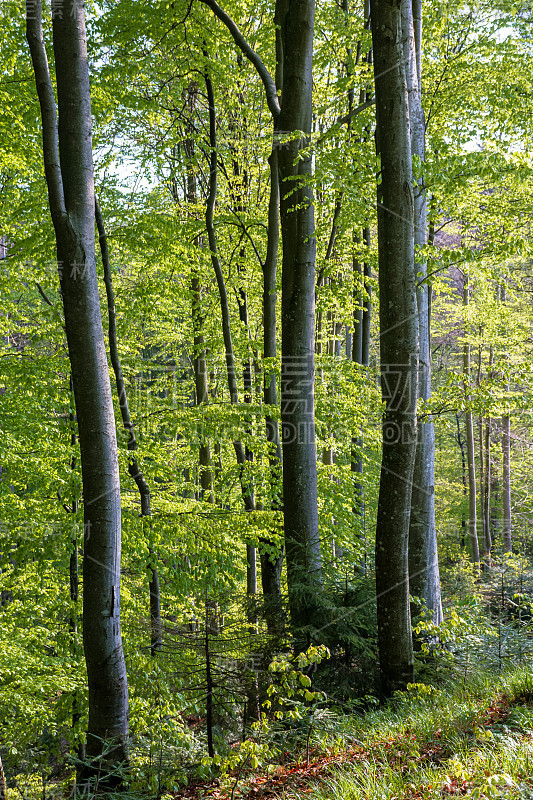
{"x":149,"y":109}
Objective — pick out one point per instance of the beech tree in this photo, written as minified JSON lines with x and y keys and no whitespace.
{"x":398,"y":344}
{"x":292,"y":120}
{"x":68,"y":164}
{"x":424,"y":578}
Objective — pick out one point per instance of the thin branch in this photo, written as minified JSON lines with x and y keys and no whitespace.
{"x":251,"y":55}
{"x":43,"y":295}
{"x":45,"y":92}
{"x":346,"y":119}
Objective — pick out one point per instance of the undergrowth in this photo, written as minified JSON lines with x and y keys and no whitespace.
{"x":475,"y":740}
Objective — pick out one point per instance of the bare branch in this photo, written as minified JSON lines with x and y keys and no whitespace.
{"x":45,"y":92}
{"x":251,"y":55}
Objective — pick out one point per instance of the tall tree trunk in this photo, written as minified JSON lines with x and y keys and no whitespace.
{"x":74,"y":578}
{"x":294,"y":46}
{"x":271,"y":558}
{"x":270,"y":573}
{"x":156,"y":630}
{"x":469,"y":421}
{"x":424,"y":577}
{"x":240,"y":452}
{"x":201,"y":378}
{"x":506,"y":468}
{"x":398,"y":346}
{"x":506,"y":483}
{"x":488,"y":487}
{"x":461,"y":443}
{"x":482,"y":477}
{"x":201,"y":385}
{"x":302,"y":540}
{"x":71,"y":195}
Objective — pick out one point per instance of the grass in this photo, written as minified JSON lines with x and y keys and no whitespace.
{"x":472,"y":741}
{"x":475,"y":741}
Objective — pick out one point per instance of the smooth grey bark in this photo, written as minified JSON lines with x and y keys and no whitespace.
{"x":487,"y":490}
{"x":201,"y":378}
{"x":424,"y":576}
{"x":67,"y":150}
{"x":302,"y":540}
{"x":506,"y":484}
{"x":240,"y":451}
{"x":360,"y":354}
{"x":156,"y":630}
{"x":272,"y":560}
{"x":294,"y":47}
{"x":398,"y":346}
{"x":506,"y":469}
{"x":470,"y":455}
{"x":461,"y":443}
{"x":73,"y":570}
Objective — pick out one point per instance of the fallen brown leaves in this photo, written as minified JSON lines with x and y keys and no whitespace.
{"x":400,"y":751}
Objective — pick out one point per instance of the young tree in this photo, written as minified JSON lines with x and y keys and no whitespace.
{"x":68,"y":162}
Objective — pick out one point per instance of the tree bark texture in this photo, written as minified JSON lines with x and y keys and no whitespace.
{"x":424,"y":577}
{"x":398,"y":346}
{"x":156,"y":630}
{"x":506,"y":484}
{"x":506,"y":470}
{"x":470,"y":454}
{"x":302,"y":541}
{"x":71,"y":196}
{"x":271,"y":559}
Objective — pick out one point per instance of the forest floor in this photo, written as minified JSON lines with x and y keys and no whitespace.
{"x":476,"y":741}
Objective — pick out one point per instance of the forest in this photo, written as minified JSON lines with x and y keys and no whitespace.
{"x":266,"y":381}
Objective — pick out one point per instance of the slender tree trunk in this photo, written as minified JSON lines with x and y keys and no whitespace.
{"x":424,"y":577}
{"x":488,"y":487}
{"x":201,"y":385}
{"x":360,"y":354}
{"x":482,"y":481}
{"x":240,"y":451}
{"x":461,"y":443}
{"x":74,"y":579}
{"x":201,"y":378}
{"x":271,"y":558}
{"x":506,"y":483}
{"x":71,"y":196}
{"x":398,"y":346}
{"x":302,"y":540}
{"x":506,"y":469}
{"x":294,"y":53}
{"x":156,"y":630}
{"x":470,"y":457}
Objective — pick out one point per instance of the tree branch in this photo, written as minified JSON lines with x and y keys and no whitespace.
{"x":251,"y":55}
{"x":346,"y":119}
{"x":45,"y":92}
{"x":43,"y":295}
